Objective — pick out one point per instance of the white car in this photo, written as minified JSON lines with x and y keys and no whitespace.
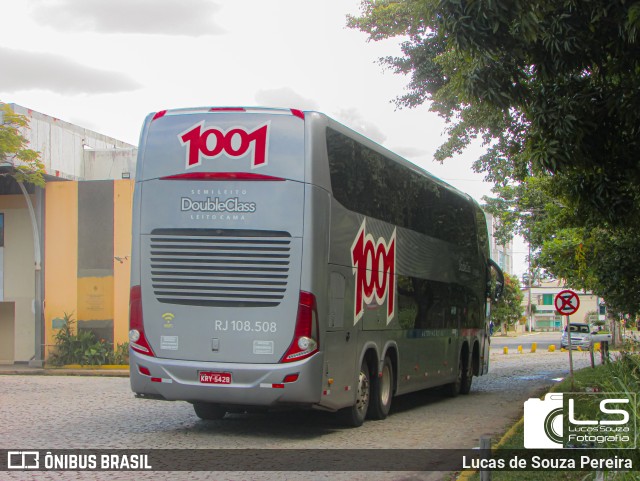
{"x":580,"y":336}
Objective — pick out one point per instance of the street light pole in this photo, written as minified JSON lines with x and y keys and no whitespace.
{"x":530,"y":286}
{"x":38,"y":357}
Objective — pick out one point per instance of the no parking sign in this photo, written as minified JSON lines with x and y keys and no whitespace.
{"x":567,"y":302}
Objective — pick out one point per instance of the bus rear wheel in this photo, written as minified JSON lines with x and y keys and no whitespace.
{"x":355,"y":415}
{"x":382,"y":391}
{"x":467,"y":377}
{"x":462,"y":384}
{"x":208,"y":411}
{"x":453,"y":389}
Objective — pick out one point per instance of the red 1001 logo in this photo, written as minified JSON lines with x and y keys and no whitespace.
{"x":374,"y":265}
{"x":235,"y":142}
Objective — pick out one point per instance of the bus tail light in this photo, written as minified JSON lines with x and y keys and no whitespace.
{"x":305,"y":338}
{"x":138,"y":341}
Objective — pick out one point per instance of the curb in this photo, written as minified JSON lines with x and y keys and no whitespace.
{"x":87,"y":372}
{"x":99,"y":368}
{"x":70,"y":370}
{"x":465,"y":475}
{"x":516,"y":336}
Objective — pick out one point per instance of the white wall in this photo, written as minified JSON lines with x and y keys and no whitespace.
{"x":63,"y":145}
{"x":502,"y":255}
{"x":109,"y":164}
{"x":19,"y":273}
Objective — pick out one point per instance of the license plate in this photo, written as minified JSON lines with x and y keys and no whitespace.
{"x":207,"y":377}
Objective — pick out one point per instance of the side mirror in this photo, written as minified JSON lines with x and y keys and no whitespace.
{"x":499,"y":280}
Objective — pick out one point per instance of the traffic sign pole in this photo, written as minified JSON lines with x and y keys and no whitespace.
{"x":567,"y":303}
{"x":570,"y":349}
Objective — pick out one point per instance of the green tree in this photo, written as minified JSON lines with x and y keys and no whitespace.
{"x":25,"y":163}
{"x":508,"y":310}
{"x":601,"y":259}
{"x":552,"y":87}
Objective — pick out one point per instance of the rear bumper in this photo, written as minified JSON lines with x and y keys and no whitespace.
{"x":252,"y":384}
{"x":575,"y":344}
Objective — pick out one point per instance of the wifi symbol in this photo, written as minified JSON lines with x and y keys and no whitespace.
{"x":167,"y":316}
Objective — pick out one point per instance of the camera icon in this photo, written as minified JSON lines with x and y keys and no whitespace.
{"x":543,"y":422}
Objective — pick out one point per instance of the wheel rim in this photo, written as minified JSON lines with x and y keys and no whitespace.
{"x":460,"y":374}
{"x":385,"y":385}
{"x":362,"y":400}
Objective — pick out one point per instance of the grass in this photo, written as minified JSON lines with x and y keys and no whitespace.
{"x":620,"y":376}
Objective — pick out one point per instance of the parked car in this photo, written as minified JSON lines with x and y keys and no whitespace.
{"x":580,"y":336}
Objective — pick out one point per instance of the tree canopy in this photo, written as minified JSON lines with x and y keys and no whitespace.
{"x":508,"y":309}
{"x":552,"y":87}
{"x":25,"y":163}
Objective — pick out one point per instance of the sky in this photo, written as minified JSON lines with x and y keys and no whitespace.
{"x":106,"y":64}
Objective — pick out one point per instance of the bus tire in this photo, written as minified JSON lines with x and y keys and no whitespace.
{"x":355,"y":415}
{"x":455,"y":387}
{"x":382,"y":391}
{"x":208,"y":411}
{"x":467,"y":377}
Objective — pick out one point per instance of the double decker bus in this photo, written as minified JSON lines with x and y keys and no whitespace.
{"x":281,"y":259}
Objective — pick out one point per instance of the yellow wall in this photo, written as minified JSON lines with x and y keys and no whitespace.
{"x":123,"y":198}
{"x":7,"y":332}
{"x":61,"y":255}
{"x":95,"y":298}
{"x":88,"y":298}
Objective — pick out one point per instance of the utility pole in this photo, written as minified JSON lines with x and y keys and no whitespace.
{"x":530,"y":286}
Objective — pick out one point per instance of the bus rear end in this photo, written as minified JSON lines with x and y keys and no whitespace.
{"x":217,"y":313}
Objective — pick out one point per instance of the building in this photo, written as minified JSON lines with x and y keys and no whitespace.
{"x":58,"y":243}
{"x":544,"y":316}
{"x":501,"y":254}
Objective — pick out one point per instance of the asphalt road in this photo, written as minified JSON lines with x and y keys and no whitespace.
{"x":542,"y":339}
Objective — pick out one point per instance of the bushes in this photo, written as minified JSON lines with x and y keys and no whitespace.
{"x":83,"y":348}
{"x":624,"y":377}
{"x":625,"y":373}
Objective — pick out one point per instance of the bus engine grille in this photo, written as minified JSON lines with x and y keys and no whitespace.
{"x":223,"y":268}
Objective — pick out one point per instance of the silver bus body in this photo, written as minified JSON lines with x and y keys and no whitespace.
{"x":278,"y":254}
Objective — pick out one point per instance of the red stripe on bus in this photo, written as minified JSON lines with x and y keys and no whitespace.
{"x":159,"y":114}
{"x":222,"y":176}
{"x":227,"y":109}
